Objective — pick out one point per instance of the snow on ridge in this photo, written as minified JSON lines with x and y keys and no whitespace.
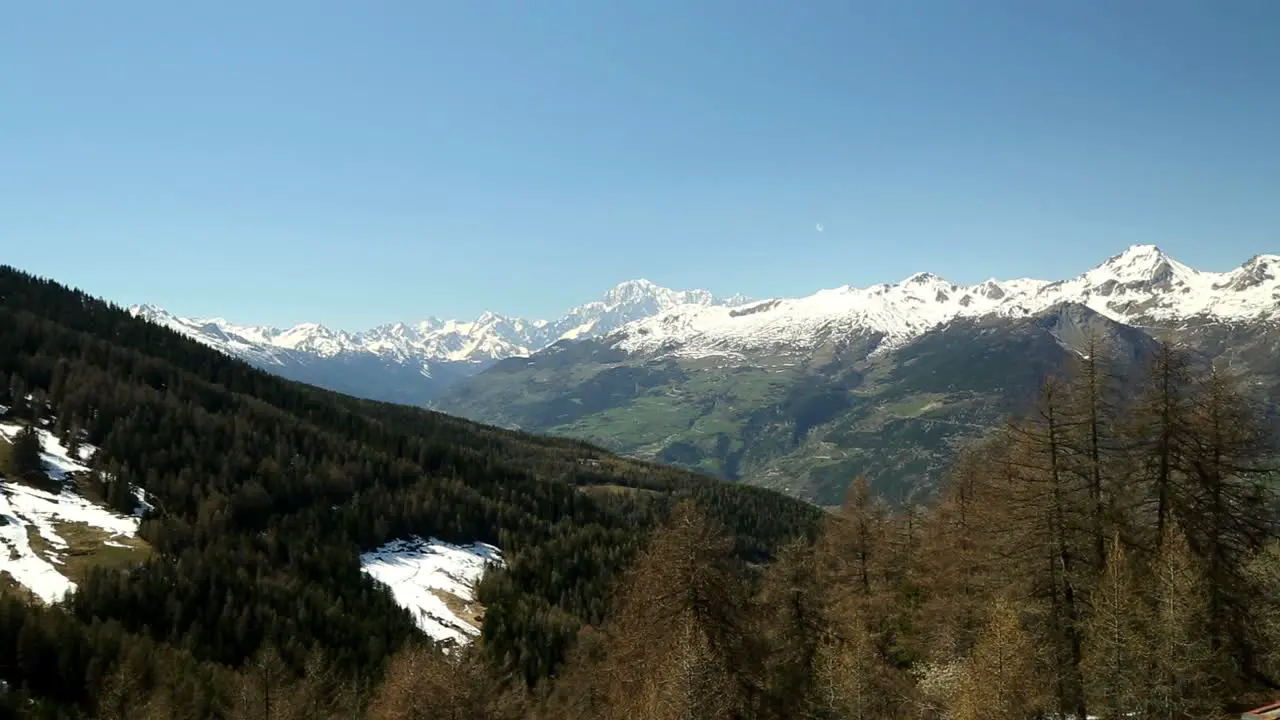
{"x":23,"y":508}
{"x":416,"y":569}
{"x":1140,"y":284}
{"x":489,"y":337}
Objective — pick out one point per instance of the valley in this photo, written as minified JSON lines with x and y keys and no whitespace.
{"x":889,"y":382}
{"x":640,"y":361}
{"x":795,"y":394}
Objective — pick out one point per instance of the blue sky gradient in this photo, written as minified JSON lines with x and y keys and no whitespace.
{"x":354,"y":163}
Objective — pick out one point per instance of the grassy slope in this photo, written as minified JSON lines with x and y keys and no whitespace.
{"x":805,"y":425}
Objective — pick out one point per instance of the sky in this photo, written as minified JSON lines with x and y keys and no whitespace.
{"x":355,"y":163}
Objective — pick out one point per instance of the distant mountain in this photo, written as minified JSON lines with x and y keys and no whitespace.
{"x":796,"y":393}
{"x":802,"y":394}
{"x":411,"y":363}
{"x":1141,"y":286}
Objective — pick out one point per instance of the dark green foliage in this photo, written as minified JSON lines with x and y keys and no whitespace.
{"x":812,"y":405}
{"x":24,"y":455}
{"x":266,"y":490}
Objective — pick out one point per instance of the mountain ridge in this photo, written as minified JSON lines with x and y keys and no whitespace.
{"x":428,"y":352}
{"x":1141,"y":285}
{"x":804,"y":394}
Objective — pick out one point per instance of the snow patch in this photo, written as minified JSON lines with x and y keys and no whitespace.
{"x":24,"y":508}
{"x":416,"y":570}
{"x":143,"y":506}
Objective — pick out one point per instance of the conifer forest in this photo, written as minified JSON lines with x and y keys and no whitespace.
{"x":1110,"y":553}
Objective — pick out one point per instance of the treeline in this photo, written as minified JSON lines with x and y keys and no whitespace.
{"x":266,"y":491}
{"x":1112,"y":554}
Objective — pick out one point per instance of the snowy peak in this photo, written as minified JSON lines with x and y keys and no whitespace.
{"x":1138,"y":261}
{"x":643,"y":294}
{"x":1258,"y":271}
{"x":1142,"y":266}
{"x":253,"y":344}
{"x":923,"y":278}
{"x":489,"y":337}
{"x":1140,"y":286}
{"x":627,"y":302}
{"x":632,"y":291}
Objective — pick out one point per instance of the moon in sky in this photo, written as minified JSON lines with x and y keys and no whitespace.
{"x":819,"y":227}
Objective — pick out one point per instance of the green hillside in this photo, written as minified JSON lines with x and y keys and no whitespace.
{"x":804,"y":423}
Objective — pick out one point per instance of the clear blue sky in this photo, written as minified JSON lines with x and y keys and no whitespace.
{"x":360,"y":162}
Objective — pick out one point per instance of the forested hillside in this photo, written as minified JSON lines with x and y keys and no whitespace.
{"x":265,"y":492}
{"x":1112,"y":553}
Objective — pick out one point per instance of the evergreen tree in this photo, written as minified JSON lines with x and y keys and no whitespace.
{"x":25,"y":455}
{"x":1095,"y":444}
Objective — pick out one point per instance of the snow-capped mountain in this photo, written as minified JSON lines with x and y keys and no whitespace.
{"x":801,"y":394}
{"x":435,"y":351}
{"x":1141,"y":286}
{"x":414,"y":362}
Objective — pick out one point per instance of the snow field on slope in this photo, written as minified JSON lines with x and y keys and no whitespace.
{"x":416,"y":570}
{"x":23,"y":507}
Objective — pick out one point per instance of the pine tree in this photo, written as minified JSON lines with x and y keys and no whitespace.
{"x":1051,"y":510}
{"x":1095,"y":448}
{"x":423,"y":683}
{"x":853,"y":541}
{"x":679,"y":641}
{"x":1116,"y":640}
{"x":790,"y":605}
{"x":25,"y":456}
{"x":1158,"y":434}
{"x":958,"y":555}
{"x":1228,"y":512}
{"x":852,"y":679}
{"x":999,"y":680}
{"x":1263,"y":572}
{"x":1183,"y":665}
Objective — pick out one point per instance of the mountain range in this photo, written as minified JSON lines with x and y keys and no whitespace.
{"x":412,"y":362}
{"x":800,"y":394}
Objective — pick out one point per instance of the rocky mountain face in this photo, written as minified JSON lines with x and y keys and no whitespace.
{"x":803,"y":394}
{"x":411,"y":363}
